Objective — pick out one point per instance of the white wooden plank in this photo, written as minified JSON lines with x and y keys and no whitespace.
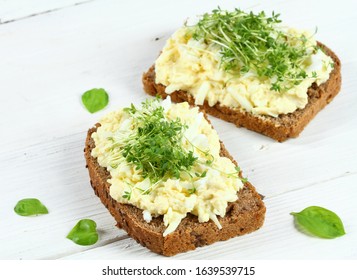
{"x":14,"y":10}
{"x":55,"y":173}
{"x":49,"y":60}
{"x":277,"y":239}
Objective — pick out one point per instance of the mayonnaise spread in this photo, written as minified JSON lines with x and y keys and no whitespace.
{"x":204,"y":190}
{"x":195,"y":67}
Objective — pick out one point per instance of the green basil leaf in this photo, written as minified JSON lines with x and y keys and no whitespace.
{"x":320,"y":222}
{"x":95,"y":99}
{"x":30,"y":207}
{"x":84,"y":232}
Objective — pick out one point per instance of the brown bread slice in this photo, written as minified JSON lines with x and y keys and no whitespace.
{"x":242,"y":216}
{"x":280,"y":128}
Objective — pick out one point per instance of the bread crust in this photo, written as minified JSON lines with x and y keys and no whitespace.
{"x":242,"y":216}
{"x":280,"y":128}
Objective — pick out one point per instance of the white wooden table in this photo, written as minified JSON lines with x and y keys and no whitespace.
{"x":53,"y":51}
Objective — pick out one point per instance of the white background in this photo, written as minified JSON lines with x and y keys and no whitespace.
{"x":53,"y":51}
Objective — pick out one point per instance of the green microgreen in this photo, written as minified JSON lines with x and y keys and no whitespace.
{"x":202,"y":175}
{"x":243,"y":179}
{"x":207,"y":153}
{"x":155,"y":145}
{"x":254,"y":42}
{"x":192,"y":190}
{"x":209,"y":162}
{"x":238,"y":170}
{"x":127,"y":194}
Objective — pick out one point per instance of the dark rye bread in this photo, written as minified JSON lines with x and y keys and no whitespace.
{"x":280,"y":128}
{"x":242,"y":216}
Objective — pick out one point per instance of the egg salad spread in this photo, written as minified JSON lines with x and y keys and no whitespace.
{"x":244,"y":61}
{"x":165,"y":159}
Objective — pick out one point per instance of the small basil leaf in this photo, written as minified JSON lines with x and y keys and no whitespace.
{"x":320,"y":222}
{"x":95,"y":99}
{"x":30,"y":207}
{"x":84,"y":232}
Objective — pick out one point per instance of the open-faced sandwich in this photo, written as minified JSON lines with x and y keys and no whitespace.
{"x":248,"y":69}
{"x":168,"y":180}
